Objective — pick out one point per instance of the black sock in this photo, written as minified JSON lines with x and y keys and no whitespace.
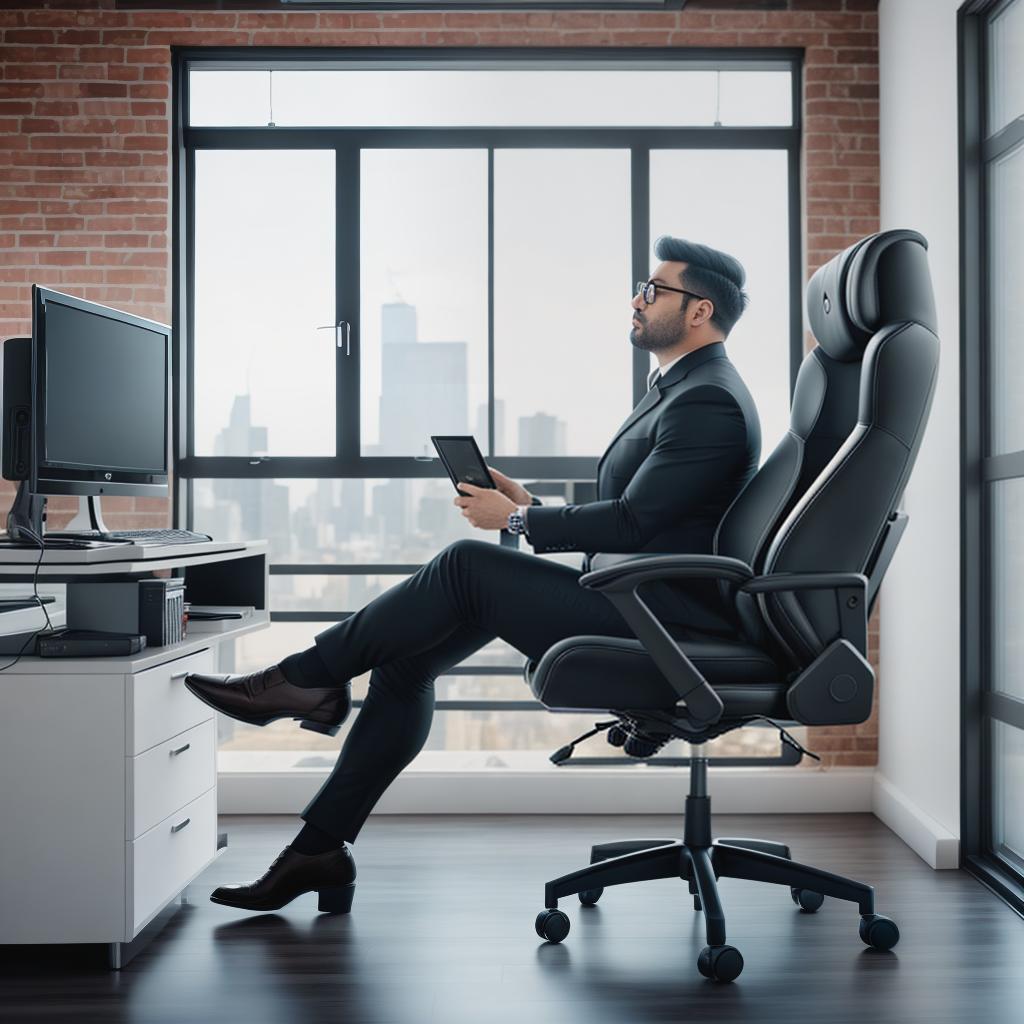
{"x":312,"y":840}
{"x":306,"y":668}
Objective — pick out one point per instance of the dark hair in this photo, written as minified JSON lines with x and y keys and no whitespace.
{"x":715,"y":275}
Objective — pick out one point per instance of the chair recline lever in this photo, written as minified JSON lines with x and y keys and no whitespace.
{"x":787,"y":738}
{"x":564,"y":753}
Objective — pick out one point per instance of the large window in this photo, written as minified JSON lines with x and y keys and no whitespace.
{"x":376,"y":251}
{"x":992,"y":129}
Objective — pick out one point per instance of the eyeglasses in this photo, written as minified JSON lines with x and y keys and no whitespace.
{"x":649,"y":291}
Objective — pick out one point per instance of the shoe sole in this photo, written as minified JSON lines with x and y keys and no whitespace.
{"x":324,"y":728}
{"x":331,"y":900}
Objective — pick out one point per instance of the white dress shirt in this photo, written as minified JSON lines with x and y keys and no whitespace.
{"x":662,"y":370}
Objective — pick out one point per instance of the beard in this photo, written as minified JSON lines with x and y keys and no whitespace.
{"x":657,"y":337}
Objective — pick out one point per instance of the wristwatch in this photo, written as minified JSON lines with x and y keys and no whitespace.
{"x":517,"y":520}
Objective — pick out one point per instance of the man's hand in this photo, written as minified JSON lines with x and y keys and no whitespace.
{"x":517,"y":493}
{"x":485,"y":507}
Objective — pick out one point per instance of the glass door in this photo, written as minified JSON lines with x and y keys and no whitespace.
{"x":992,"y":140}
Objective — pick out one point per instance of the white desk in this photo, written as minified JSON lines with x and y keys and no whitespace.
{"x":108,"y":774}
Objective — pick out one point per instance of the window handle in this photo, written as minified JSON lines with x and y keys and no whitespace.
{"x":341,"y":327}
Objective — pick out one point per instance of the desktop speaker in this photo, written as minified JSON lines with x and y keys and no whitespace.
{"x":17,"y":397}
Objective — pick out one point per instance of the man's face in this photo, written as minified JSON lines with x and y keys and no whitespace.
{"x":662,"y":324}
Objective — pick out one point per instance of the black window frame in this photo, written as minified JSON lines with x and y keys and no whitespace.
{"x":348,"y":462}
{"x":981,"y":707}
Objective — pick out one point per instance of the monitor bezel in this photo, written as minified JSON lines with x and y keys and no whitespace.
{"x":98,"y":480}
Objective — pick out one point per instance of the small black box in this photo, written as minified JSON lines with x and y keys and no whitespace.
{"x":161,"y":610}
{"x":155,"y":608}
{"x":88,"y":643}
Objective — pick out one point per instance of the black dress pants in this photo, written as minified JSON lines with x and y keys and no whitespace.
{"x":470,"y":593}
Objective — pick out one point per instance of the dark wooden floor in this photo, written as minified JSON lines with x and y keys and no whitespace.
{"x":442,"y":931}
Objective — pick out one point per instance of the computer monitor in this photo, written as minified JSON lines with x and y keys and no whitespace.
{"x":86,"y":404}
{"x":100,"y":399}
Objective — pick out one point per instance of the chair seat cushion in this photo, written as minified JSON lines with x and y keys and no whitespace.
{"x":602,"y":673}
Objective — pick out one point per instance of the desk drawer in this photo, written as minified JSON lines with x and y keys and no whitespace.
{"x":169,"y":775}
{"x":159,"y":706}
{"x":167,"y":857}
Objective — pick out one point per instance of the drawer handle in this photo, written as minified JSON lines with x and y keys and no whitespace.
{"x":179,"y":675}
{"x":180,"y":750}
{"x":180,"y":825}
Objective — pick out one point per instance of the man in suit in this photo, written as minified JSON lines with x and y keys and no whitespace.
{"x":663,"y":484}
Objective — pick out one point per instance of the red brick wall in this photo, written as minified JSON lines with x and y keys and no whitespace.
{"x":85,"y":159}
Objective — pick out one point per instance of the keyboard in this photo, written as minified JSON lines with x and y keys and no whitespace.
{"x":146,"y":537}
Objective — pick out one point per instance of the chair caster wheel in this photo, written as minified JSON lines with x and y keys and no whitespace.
{"x":806,"y":900}
{"x":588,"y":897}
{"x":552,"y":925}
{"x":879,"y":932}
{"x":720,"y":963}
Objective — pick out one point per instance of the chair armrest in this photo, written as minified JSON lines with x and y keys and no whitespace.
{"x":627,"y":576}
{"x":619,"y":583}
{"x":782,"y":581}
{"x":851,"y":594}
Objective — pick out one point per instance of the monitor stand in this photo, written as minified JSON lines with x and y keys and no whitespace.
{"x":89,"y":518}
{"x":88,"y":521}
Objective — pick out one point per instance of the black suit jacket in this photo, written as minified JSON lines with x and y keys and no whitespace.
{"x":666,"y":479}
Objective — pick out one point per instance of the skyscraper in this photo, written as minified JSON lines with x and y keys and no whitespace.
{"x":398,"y":323}
{"x":499,"y":428}
{"x":262,"y":504}
{"x":424,"y":385}
{"x":541,"y":434}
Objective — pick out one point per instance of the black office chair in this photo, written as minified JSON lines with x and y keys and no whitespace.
{"x":799,"y":558}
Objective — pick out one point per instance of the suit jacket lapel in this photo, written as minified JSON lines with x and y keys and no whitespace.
{"x":648,"y":402}
{"x":653,"y":396}
{"x":686,"y":365}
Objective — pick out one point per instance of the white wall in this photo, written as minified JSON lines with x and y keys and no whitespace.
{"x":917,"y":789}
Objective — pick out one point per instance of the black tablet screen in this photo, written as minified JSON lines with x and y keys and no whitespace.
{"x":463,"y":461}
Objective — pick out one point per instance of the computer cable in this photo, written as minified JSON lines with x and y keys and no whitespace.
{"x":35,"y":592}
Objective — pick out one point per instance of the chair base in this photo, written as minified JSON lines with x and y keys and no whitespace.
{"x":700,"y":861}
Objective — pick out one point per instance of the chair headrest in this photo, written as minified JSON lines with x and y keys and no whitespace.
{"x":881,"y":280}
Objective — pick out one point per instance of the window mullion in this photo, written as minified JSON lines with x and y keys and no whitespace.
{"x":347,"y":300}
{"x":490,"y":301}
{"x":640,"y":215}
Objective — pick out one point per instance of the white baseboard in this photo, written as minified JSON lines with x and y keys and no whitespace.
{"x":635,"y":790}
{"x":932,"y":842}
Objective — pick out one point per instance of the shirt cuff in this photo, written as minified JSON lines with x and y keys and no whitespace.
{"x":524,"y":512}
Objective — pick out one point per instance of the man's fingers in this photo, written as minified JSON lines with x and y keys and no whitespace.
{"x":471,"y":487}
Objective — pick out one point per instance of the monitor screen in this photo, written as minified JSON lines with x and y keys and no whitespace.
{"x":98,"y":400}
{"x":105,"y":393}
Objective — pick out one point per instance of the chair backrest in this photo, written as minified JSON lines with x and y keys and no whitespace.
{"x":876,"y":298}
{"x":823,"y":412}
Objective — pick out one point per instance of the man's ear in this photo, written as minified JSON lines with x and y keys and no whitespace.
{"x":705,"y":310}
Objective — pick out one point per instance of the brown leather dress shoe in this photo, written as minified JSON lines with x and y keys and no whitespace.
{"x":332,"y":875}
{"x":264,"y":696}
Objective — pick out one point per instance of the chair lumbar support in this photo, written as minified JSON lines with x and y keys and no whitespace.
{"x":700,"y":860}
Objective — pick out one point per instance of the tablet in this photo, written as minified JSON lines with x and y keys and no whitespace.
{"x":461,"y":457}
